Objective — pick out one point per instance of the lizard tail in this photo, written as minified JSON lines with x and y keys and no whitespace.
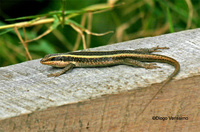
{"x":177,"y":68}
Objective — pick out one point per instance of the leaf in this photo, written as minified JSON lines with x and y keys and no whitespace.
{"x":8,"y":30}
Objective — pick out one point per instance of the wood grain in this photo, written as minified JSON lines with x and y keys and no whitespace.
{"x":106,"y":99}
{"x":120,"y":112}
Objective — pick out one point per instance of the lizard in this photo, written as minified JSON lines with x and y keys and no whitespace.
{"x":135,"y":57}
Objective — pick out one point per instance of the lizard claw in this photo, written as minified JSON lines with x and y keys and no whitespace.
{"x":152,"y":66}
{"x":156,"y":49}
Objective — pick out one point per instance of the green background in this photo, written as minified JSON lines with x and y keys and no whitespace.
{"x":134,"y":19}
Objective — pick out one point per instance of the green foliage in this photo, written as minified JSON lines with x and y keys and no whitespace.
{"x":134,"y":19}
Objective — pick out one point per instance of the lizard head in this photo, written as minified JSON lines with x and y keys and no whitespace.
{"x":55,"y":60}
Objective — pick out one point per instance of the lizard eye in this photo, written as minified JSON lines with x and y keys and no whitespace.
{"x":53,"y":59}
{"x":60,"y":58}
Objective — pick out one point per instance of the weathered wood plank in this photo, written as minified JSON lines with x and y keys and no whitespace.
{"x":105,"y":99}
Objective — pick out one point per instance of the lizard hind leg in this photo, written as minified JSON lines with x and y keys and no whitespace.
{"x":150,"y":50}
{"x":137,"y":63}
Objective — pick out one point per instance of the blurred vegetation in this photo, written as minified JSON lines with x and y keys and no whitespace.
{"x":134,"y":19}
